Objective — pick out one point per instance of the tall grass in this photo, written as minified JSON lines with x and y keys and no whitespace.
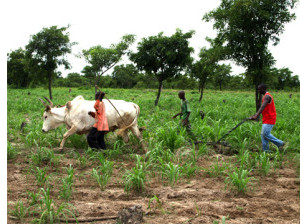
{"x":41,"y":176}
{"x":239,"y":180}
{"x":42,"y":156}
{"x":135,"y":179}
{"x":50,"y":212}
{"x":218,"y":168}
{"x":20,"y":211}
{"x":103,"y":173}
{"x":171,"y":172}
{"x":264,"y":163}
{"x":171,"y":136}
{"x":67,"y":184}
{"x":12,"y":152}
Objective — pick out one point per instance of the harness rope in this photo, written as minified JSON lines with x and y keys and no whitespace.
{"x":112,"y":105}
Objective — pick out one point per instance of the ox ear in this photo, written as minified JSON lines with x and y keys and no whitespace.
{"x":48,"y":108}
{"x":68,"y":105}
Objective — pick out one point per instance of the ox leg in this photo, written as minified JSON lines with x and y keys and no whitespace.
{"x":71,"y":131}
{"x":125,"y":136}
{"x":136,"y":132}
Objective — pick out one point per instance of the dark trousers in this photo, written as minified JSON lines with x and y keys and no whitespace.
{"x":188,"y":129}
{"x":95,"y":139}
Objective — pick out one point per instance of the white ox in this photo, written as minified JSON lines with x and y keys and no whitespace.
{"x":75,"y":115}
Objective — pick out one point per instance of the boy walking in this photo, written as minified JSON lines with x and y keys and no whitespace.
{"x":185,"y":114}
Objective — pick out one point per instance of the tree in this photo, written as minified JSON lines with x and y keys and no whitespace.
{"x":200,"y":72}
{"x":282,"y":76}
{"x":222,"y":74}
{"x":126,"y":76}
{"x":89,"y":73}
{"x":102,"y":59}
{"x":295,"y":82}
{"x":164,"y":57}
{"x":47,"y":50}
{"x":207,"y":64}
{"x":17,"y":74}
{"x":245,"y":28}
{"x":184,"y":81}
{"x":237,"y":82}
{"x":74,"y":79}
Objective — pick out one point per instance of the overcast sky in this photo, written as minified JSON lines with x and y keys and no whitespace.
{"x":97,"y":22}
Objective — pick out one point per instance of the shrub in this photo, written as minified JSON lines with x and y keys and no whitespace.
{"x":11,"y":151}
{"x":20,"y":211}
{"x":217,"y":169}
{"x":135,"y":179}
{"x":169,"y":136}
{"x":103,"y":173}
{"x":67,"y":184}
{"x":238,"y":180}
{"x":172,"y":172}
{"x":264,"y":163}
{"x":40,"y":175}
{"x":50,"y":212}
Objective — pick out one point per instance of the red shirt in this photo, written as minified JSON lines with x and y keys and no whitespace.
{"x":100,"y":116}
{"x":269,"y":113}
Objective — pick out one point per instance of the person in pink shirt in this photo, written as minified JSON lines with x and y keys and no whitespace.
{"x":95,"y":137}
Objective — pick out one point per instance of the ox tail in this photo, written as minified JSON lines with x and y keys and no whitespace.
{"x":123,"y":129}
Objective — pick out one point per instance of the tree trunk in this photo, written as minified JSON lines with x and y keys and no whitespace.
{"x":95,"y":83}
{"x":257,"y":98}
{"x":158,"y":94}
{"x":49,"y":84}
{"x":201,"y":93}
{"x":258,"y":80}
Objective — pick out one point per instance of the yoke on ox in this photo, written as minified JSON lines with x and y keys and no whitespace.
{"x":75,"y":115}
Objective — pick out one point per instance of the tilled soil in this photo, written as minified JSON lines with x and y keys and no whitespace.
{"x":201,"y":199}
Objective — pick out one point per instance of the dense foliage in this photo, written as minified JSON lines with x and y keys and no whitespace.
{"x":164,"y":57}
{"x":47,"y":50}
{"x":244,"y":31}
{"x":102,"y":59}
{"x":245,"y":28}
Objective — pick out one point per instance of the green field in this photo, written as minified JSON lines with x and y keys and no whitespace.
{"x":220,"y":117}
{"x":171,"y":160}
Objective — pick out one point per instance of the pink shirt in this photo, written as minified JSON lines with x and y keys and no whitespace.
{"x":100,"y":116}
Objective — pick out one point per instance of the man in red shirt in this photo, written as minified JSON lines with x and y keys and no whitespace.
{"x":269,"y":119}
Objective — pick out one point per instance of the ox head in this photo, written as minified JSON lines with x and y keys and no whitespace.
{"x":51,"y":119}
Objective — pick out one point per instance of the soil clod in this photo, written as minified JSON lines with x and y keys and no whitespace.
{"x":132,"y":215}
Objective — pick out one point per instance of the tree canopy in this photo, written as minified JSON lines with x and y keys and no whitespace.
{"x":126,"y":76}
{"x":207,"y":65}
{"x":17,"y":72}
{"x":246,"y":27}
{"x":47,"y":50}
{"x":102,"y":59}
{"x":163,"y":56}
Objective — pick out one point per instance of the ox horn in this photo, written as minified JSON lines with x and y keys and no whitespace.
{"x":51,"y":104}
{"x":43,"y":102}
